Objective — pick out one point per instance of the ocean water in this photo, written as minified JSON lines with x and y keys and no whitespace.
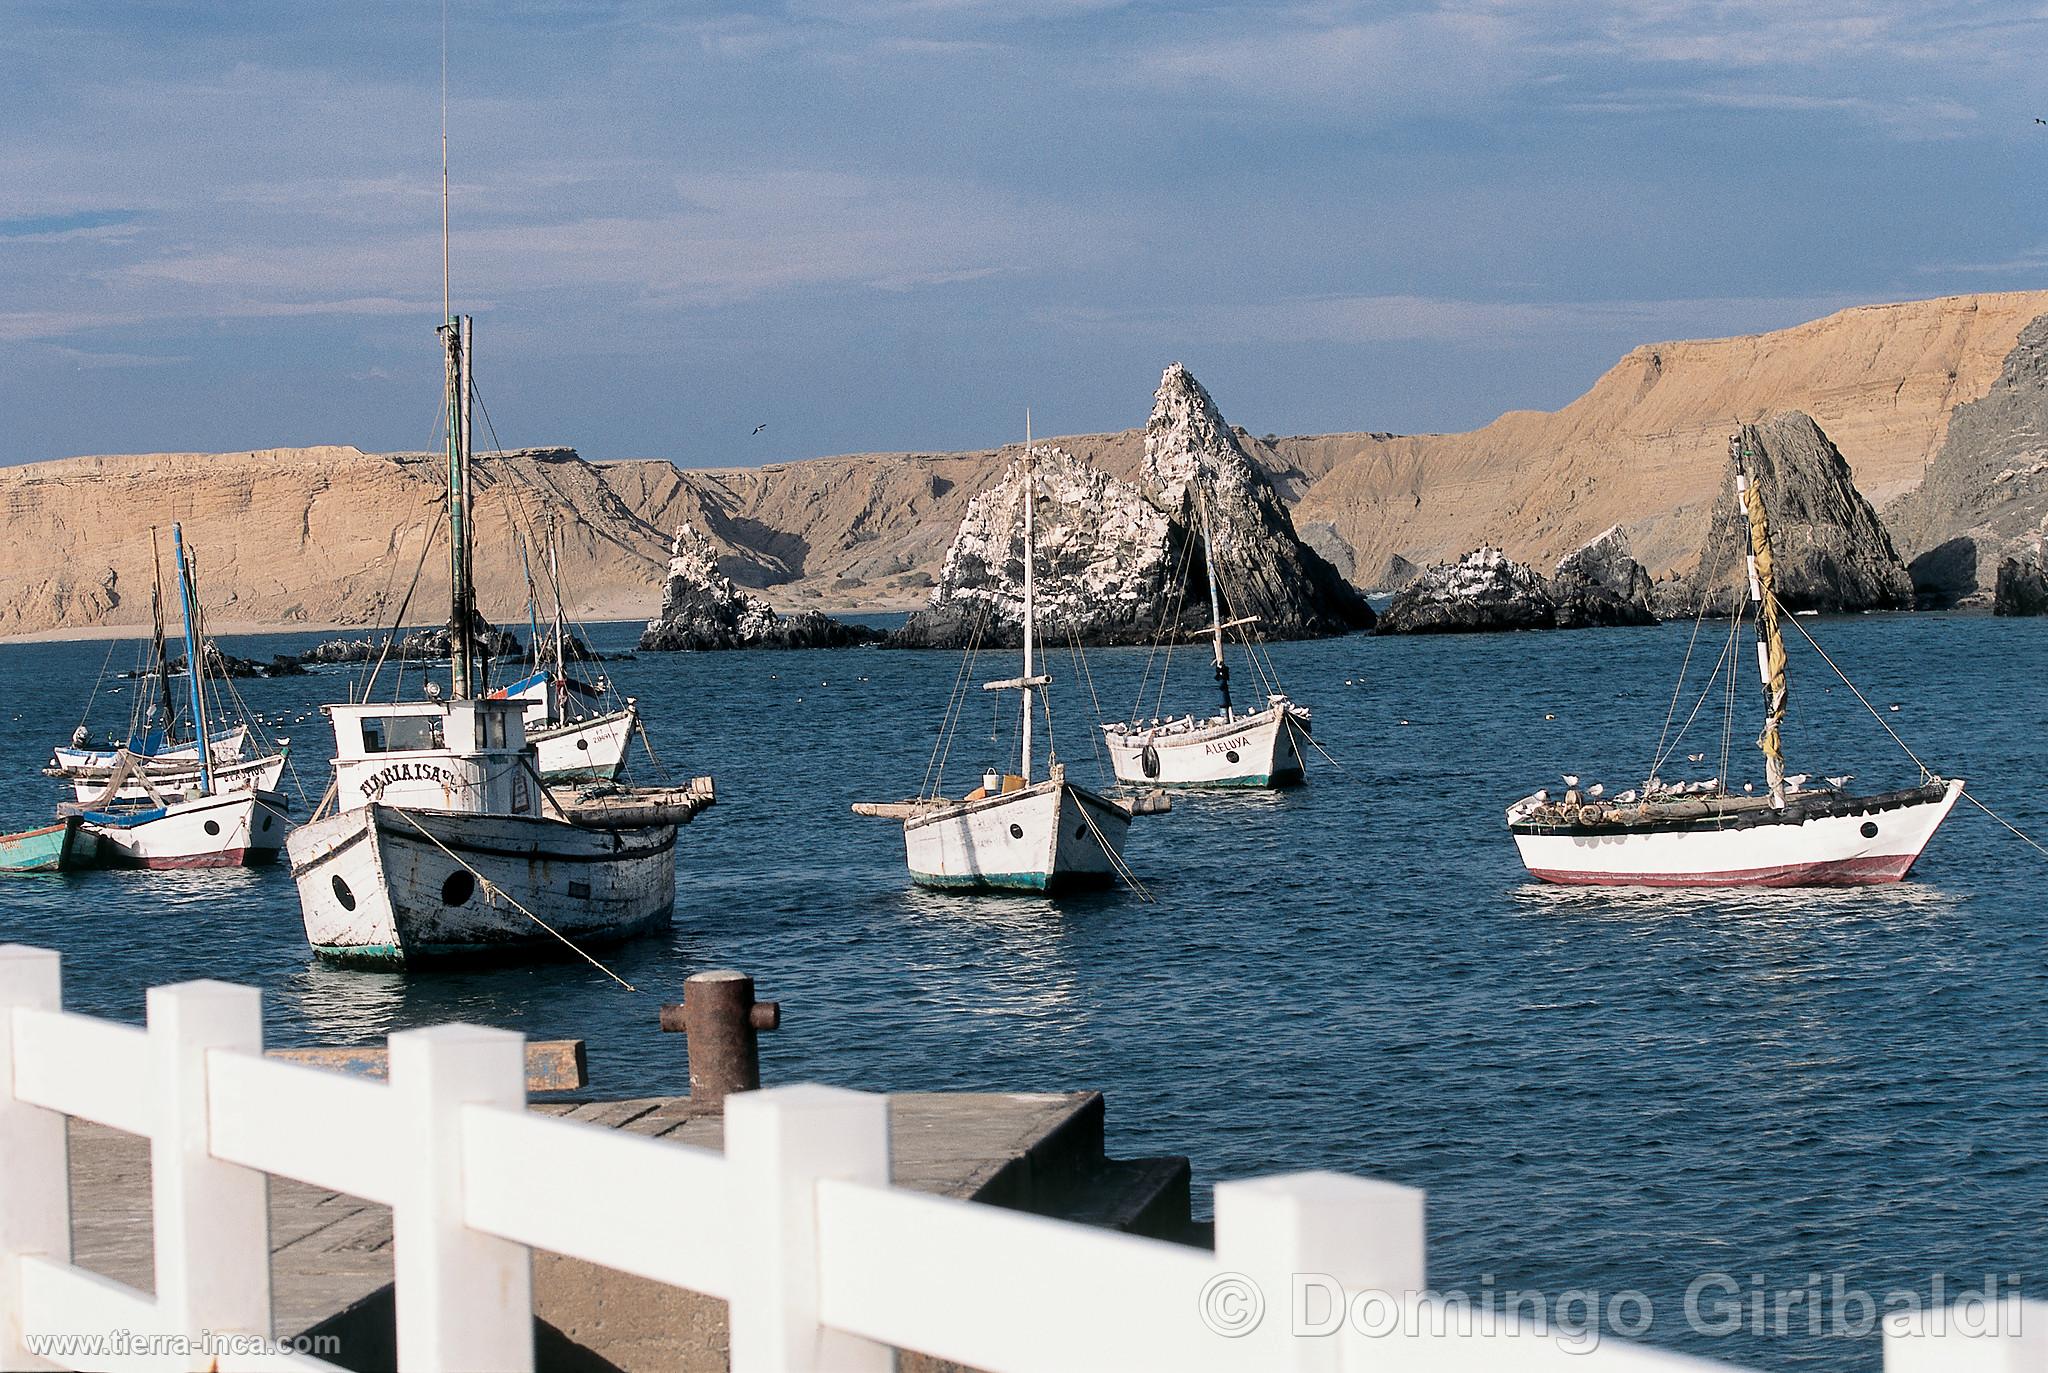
{"x":1601,"y":1091}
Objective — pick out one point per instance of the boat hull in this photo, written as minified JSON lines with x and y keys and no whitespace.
{"x":67,"y":846}
{"x":592,"y":749}
{"x":230,"y":830}
{"x":377,"y":892}
{"x":256,"y":774}
{"x":227,"y":747}
{"x":1046,"y":838}
{"x":1861,"y":842}
{"x":1259,"y":750}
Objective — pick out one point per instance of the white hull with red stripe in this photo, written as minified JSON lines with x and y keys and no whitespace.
{"x":1818,"y":840}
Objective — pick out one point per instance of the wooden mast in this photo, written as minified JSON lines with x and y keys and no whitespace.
{"x":1030,"y":607}
{"x":1770,"y":642}
{"x":163,"y":659}
{"x":192,"y":660}
{"x":1215,"y":597}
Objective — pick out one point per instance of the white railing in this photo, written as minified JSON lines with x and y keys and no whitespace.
{"x":824,"y":1265}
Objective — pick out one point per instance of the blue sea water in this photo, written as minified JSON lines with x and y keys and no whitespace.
{"x":1601,"y":1091}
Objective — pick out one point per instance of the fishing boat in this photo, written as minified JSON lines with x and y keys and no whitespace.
{"x":443,"y":841}
{"x":154,"y":745}
{"x":1260,"y":748}
{"x":242,"y":774}
{"x":66,"y":846}
{"x":142,"y":823}
{"x":1017,"y":832}
{"x":1706,"y":834}
{"x":574,"y":736}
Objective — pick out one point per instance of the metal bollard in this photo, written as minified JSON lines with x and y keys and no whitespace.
{"x":723,"y":1022}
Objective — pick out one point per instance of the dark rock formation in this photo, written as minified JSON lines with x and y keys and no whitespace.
{"x":219,"y":664}
{"x":1832,"y":552}
{"x":1601,"y":584}
{"x":1121,"y":562}
{"x":1985,"y":497}
{"x":2022,"y":588}
{"x":421,"y":645}
{"x":702,"y":609}
{"x":1483,"y":592}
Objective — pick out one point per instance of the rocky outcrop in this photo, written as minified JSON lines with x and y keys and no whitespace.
{"x":1122,"y":561}
{"x":1985,"y":497}
{"x":1483,"y":592}
{"x":701,"y":609}
{"x":1600,"y":584}
{"x":419,"y":645}
{"x":1832,"y":553}
{"x":2022,"y":588}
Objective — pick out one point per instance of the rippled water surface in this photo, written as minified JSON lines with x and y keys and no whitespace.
{"x":1599,"y":1090}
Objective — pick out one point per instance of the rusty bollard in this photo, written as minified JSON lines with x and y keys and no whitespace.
{"x":724,"y":1022}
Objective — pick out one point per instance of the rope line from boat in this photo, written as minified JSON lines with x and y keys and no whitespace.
{"x":1328,"y":756}
{"x":1145,"y":677}
{"x":640,"y":727}
{"x":1713,"y":680}
{"x":398,"y":620}
{"x":1728,"y":695}
{"x":1925,"y":771}
{"x":492,"y":890}
{"x":1094,"y":701}
{"x":333,"y":788}
{"x":1116,"y":861}
{"x":1657,"y":757}
{"x":933,"y":763}
{"x":2029,"y":839}
{"x":97,"y":683}
{"x":949,"y":726}
{"x":1169,"y":630}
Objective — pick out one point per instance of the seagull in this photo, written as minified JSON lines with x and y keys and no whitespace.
{"x":759,"y":427}
{"x":1893,"y":706}
{"x":1839,"y":782}
{"x":1695,"y":757}
{"x":1598,"y":788}
{"x":1571,"y":779}
{"x":1749,"y":787}
{"x":2039,"y":120}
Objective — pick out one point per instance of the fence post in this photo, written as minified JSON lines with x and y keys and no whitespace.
{"x":35,"y":1179}
{"x":2009,"y":1336}
{"x":212,"y":1219}
{"x":779,"y":1144}
{"x":1290,"y":1252}
{"x":465,"y":1299}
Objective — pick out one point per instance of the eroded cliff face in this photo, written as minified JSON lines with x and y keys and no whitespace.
{"x":1831,"y":552}
{"x":1120,"y":560}
{"x":1985,"y":498}
{"x":1645,"y":446}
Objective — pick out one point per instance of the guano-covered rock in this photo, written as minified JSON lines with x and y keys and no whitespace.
{"x":1121,"y":561}
{"x":702,"y":609}
{"x":1483,"y":592}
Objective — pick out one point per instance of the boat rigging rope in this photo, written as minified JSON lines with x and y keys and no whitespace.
{"x":105,"y":663}
{"x":1665,"y":753}
{"x":1116,"y":861}
{"x":1094,"y":701}
{"x":1728,"y":695}
{"x":398,"y":621}
{"x":493,"y":890}
{"x":1925,"y":771}
{"x":1145,"y":678}
{"x":2003,"y":821}
{"x":935,"y":772}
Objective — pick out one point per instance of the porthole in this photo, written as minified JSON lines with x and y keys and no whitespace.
{"x":583,"y":744}
{"x":342,"y":894}
{"x":1081,"y":831}
{"x":1232,"y":755}
{"x":459,"y":887}
{"x":1870,"y":829}
{"x":266,"y":824}
{"x":1016,"y":831}
{"x":213,"y":827}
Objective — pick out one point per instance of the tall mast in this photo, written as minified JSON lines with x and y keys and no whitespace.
{"x":192,"y":668}
{"x":555,"y":585}
{"x":1770,"y":643}
{"x":1030,"y":606}
{"x":1215,"y":598}
{"x":461,"y":594}
{"x":163,"y":659}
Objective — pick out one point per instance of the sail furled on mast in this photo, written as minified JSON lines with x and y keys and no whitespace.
{"x":1770,"y":641}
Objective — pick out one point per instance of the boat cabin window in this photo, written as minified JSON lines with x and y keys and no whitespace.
{"x":497,"y":729}
{"x":401,"y":733}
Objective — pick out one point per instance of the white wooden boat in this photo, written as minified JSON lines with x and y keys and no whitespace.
{"x":1013,"y":833}
{"x":445,"y":842}
{"x":570,"y":744}
{"x":1707,"y":835}
{"x":90,"y":783}
{"x":222,"y":830}
{"x":143,"y":822}
{"x":1261,"y":748}
{"x":228,"y":745}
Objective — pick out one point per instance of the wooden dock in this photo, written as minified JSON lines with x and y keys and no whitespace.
{"x":331,"y":1253}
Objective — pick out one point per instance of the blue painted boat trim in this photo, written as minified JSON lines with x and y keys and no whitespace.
{"x":1036,"y":883}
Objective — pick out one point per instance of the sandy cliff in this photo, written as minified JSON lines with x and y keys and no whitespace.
{"x":1645,"y":446}
{"x":330,"y":535}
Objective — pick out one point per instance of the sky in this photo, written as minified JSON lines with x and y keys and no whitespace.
{"x":895,"y":224}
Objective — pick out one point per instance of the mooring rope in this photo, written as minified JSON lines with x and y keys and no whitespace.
{"x":1925,"y":771}
{"x":2003,"y":821}
{"x":1116,"y":861}
{"x":492,"y":889}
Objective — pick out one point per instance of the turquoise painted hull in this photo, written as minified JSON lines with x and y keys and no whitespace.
{"x":64,"y":847}
{"x":1273,"y":782}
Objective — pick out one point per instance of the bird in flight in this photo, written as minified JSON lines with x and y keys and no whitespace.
{"x":759,"y":427}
